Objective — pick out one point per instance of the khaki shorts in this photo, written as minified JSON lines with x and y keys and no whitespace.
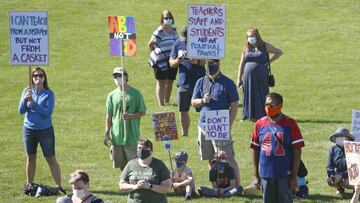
{"x":208,"y":148}
{"x":122,"y":154}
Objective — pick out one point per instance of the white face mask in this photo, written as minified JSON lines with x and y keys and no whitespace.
{"x":252,"y":40}
{"x":168,"y":22}
{"x":79,"y":193}
{"x":340,"y":141}
{"x":38,"y":80}
{"x":118,"y":81}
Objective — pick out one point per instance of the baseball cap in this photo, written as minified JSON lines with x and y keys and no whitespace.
{"x":120,"y":70}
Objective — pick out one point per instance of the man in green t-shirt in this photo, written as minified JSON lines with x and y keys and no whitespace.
{"x":124,"y":141}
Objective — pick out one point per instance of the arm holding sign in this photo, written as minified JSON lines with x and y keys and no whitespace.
{"x":25,"y":97}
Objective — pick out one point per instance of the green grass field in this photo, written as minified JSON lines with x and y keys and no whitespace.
{"x":318,"y":75}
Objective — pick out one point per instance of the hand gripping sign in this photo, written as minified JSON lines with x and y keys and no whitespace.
{"x":122,"y":35}
{"x":217,"y":125}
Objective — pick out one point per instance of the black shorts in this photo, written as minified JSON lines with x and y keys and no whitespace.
{"x":184,"y":99}
{"x":169,"y":74}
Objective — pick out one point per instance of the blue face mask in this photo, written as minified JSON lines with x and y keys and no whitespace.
{"x":168,"y":22}
{"x":213,"y":69}
{"x":179,"y":164}
{"x":220,"y":166}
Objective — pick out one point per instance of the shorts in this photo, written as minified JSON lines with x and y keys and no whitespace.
{"x":45,"y":137}
{"x":122,"y":154}
{"x":208,"y":148}
{"x":184,"y":99}
{"x":276,"y":190}
{"x":168,"y":74}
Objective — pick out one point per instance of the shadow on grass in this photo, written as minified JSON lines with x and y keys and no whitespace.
{"x":328,"y":198}
{"x":319,"y":121}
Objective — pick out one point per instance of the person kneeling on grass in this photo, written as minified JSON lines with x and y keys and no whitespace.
{"x":336,"y":166}
{"x":222,"y":178}
{"x":182,"y":177}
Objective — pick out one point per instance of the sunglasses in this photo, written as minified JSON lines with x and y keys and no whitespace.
{"x":271,"y":105}
{"x":38,"y":75}
{"x":168,"y":18}
{"x":118,"y":75}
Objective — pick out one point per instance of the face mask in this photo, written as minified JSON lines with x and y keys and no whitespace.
{"x":213,"y":69}
{"x":273,"y":111}
{"x":340,"y":141}
{"x":179,"y":164}
{"x":39,"y":80}
{"x":143,"y":154}
{"x":118,"y":81}
{"x":168,"y":22}
{"x":252,"y":40}
{"x":79,"y":193}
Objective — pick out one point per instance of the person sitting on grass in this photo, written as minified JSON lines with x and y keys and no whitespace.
{"x":222,"y":178}
{"x":182,"y":177}
{"x":336,"y":166}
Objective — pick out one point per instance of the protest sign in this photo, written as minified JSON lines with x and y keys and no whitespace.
{"x":206,"y":31}
{"x":217,"y":125}
{"x":122,"y":35}
{"x":352,"y":153}
{"x":355,"y":124}
{"x":165,"y":126}
{"x":29,"y":38}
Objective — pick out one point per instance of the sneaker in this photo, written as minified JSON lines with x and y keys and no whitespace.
{"x":340,"y":191}
{"x":184,"y":135}
{"x":61,"y":189}
{"x":187,"y":196}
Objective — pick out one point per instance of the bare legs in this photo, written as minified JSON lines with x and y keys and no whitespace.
{"x":30,"y":168}
{"x":163,"y":91}
{"x":185,"y":122}
{"x":53,"y":165}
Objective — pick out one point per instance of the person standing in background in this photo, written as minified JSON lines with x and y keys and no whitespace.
{"x":160,"y":45}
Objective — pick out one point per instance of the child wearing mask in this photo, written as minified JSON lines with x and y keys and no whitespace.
{"x":336,"y":166}
{"x":222,"y":178}
{"x":182,"y":177}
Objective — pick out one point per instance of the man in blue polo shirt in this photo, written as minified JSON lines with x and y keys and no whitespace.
{"x":222,"y":95}
{"x":190,"y":70}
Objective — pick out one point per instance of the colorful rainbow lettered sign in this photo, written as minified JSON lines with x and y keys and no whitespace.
{"x":122,"y":35}
{"x":165,"y":126}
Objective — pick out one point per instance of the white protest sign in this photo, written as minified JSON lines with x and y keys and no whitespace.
{"x":352,"y":152}
{"x":29,"y":44}
{"x":206,"y":31}
{"x":217,"y":125}
{"x":355,"y":124}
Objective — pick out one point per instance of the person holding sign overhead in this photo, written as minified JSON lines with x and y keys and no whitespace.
{"x":253,"y":74}
{"x":222,"y":95}
{"x":38,"y":104}
{"x":123,"y":142}
{"x":160,"y":45}
{"x":190,"y":70}
{"x":276,"y":142}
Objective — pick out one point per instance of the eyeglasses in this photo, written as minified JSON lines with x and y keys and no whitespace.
{"x":168,"y":18}
{"x":38,"y":75}
{"x":271,"y":105}
{"x":118,"y":75}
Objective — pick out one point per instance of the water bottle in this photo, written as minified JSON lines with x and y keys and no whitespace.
{"x":39,"y":191}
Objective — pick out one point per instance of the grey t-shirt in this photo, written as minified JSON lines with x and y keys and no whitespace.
{"x":155,"y":173}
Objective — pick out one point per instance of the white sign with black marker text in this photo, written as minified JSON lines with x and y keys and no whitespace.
{"x":217,"y":125}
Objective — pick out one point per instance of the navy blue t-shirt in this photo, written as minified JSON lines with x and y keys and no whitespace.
{"x":222,"y":91}
{"x":188,"y":73}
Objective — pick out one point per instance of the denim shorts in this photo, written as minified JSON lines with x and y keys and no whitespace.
{"x":45,"y":137}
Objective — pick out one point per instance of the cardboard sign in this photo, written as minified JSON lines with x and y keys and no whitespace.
{"x":165,"y":126}
{"x":206,"y":31}
{"x":122,"y":35}
{"x":217,"y":125}
{"x":355,"y":124}
{"x":352,"y":152}
{"x":29,"y":38}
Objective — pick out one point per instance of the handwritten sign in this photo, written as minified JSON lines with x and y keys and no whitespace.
{"x":29,"y":43}
{"x":206,"y":31}
{"x":352,"y":154}
{"x":355,"y":124}
{"x":217,"y":125}
{"x":165,"y":126}
{"x":122,"y":35}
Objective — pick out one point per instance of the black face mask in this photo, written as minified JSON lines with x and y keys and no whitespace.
{"x":213,"y":69}
{"x":143,"y":154}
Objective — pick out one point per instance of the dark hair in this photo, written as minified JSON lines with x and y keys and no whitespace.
{"x":45,"y":78}
{"x":163,"y":14}
{"x":276,"y":96}
{"x":146,"y":143}
{"x":79,"y":175}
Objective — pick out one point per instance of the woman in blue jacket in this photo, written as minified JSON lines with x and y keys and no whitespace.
{"x":37,"y":104}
